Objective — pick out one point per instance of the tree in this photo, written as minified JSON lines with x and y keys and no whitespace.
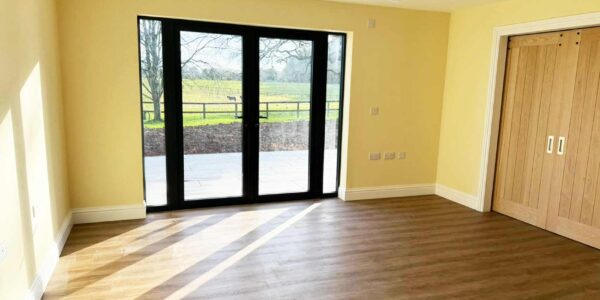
{"x":334,"y":59}
{"x":152,"y":61}
{"x":296,"y":70}
{"x":152,"y":64}
{"x":293,"y":55}
{"x":198,"y":51}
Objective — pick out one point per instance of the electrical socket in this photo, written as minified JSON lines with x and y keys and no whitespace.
{"x":401,"y":155}
{"x":374,"y":156}
{"x":389,"y":156}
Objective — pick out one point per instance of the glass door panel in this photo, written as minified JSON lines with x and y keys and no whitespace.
{"x":238,"y":114}
{"x":332,"y":112}
{"x":284,"y":115}
{"x":212,"y":101}
{"x":151,"y":66}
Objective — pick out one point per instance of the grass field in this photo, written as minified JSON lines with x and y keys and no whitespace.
{"x":206,"y":102}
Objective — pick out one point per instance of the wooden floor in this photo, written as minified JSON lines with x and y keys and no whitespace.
{"x":413,"y":248}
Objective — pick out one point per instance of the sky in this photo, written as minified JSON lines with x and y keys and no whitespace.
{"x":221,"y":51}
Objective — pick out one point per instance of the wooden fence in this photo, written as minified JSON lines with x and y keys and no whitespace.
{"x":236,"y":110}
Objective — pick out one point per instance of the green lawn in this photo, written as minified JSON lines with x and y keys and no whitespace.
{"x":211,"y":97}
{"x":217,"y":91}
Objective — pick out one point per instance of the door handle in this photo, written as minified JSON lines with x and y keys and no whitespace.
{"x":550,"y":144}
{"x":561,"y":145}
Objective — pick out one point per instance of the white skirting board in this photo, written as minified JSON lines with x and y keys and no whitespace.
{"x":459,"y":197}
{"x":394,"y":191}
{"x":108,"y":213}
{"x":47,"y":268}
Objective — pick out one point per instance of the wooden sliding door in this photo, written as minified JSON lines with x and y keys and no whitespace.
{"x":548,"y":168}
{"x":523,"y":175}
{"x":575,"y":206}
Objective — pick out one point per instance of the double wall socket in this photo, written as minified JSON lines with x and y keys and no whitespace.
{"x":387,"y":155}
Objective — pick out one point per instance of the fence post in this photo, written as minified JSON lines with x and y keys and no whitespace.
{"x":203,"y":110}
{"x":236,"y":110}
{"x":297,"y":110}
{"x":267,"y":110}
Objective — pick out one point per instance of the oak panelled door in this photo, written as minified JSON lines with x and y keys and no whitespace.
{"x":548,"y":161}
{"x":575,"y":207}
{"x":521,"y":189}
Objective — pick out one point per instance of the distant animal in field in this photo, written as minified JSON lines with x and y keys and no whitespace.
{"x":231,"y":98}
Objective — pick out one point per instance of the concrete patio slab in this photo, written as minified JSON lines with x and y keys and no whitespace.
{"x":219,"y":175}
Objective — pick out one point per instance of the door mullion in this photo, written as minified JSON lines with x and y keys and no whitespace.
{"x":250,"y":87}
{"x":317,"y":125}
{"x":173,"y":121}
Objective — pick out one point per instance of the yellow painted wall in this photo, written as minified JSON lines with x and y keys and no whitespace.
{"x":467,"y":75}
{"x":32,"y":157}
{"x":399,"y":66}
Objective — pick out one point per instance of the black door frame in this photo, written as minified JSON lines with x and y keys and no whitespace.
{"x":171,"y":29}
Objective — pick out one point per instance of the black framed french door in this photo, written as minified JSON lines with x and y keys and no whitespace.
{"x":259,"y":96}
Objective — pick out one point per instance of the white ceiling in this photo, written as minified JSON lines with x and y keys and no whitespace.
{"x":436,"y":5}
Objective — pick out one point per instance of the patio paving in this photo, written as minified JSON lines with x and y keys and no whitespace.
{"x":219,"y":175}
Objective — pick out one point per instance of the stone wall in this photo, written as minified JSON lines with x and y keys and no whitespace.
{"x":226,"y":138}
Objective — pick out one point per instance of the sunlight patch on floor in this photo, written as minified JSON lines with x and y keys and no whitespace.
{"x":171,"y":259}
{"x":221,"y":267}
{"x":133,"y":238}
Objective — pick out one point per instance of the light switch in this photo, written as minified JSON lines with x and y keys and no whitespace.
{"x":3,"y":252}
{"x":389,"y":155}
{"x":374,"y":111}
{"x":34,"y":220}
{"x":374,"y":156}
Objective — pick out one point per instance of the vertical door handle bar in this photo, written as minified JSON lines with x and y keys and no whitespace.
{"x":561,"y":145}
{"x":550,"y":144}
